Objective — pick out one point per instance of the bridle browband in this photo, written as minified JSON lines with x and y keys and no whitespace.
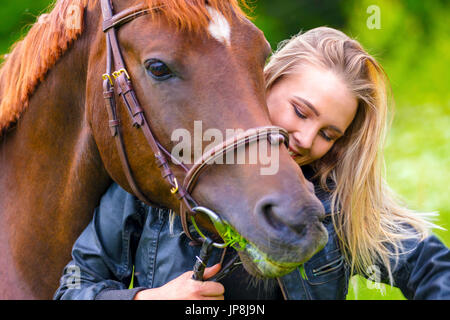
{"x":120,"y":79}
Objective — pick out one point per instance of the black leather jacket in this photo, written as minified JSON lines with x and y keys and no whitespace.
{"x":125,"y":234}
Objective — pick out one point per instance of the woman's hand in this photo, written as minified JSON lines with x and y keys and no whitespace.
{"x":185,"y":288}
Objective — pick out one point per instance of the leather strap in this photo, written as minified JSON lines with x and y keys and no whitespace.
{"x":125,"y":16}
{"x":113,"y":56}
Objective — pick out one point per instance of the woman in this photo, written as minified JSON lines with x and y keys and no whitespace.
{"x":331,"y":97}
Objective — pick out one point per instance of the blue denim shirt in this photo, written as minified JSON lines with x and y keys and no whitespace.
{"x":126,"y":235}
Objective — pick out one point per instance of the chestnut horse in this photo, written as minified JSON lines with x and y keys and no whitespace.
{"x":57,"y":156}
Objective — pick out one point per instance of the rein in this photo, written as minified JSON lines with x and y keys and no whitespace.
{"x":117,"y":76}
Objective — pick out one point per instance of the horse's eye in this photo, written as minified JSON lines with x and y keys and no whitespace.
{"x":158,"y":69}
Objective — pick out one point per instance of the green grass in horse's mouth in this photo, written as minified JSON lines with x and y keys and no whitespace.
{"x":233,"y":239}
{"x":266,"y":265}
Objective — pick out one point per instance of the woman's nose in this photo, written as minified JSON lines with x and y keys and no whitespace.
{"x":304,"y":139}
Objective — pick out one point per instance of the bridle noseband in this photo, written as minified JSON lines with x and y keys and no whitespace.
{"x":121,"y":79}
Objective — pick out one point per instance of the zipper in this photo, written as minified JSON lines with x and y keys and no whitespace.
{"x":329,"y":267}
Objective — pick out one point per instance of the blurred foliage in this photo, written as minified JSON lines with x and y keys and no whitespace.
{"x":413,"y":45}
{"x":282,"y":19}
{"x":16,"y":17}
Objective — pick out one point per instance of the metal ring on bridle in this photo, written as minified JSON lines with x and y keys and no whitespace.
{"x":218,"y":223}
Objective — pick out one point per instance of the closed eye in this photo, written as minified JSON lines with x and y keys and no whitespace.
{"x":322,"y":133}
{"x":298,"y":112}
{"x":325,"y":136}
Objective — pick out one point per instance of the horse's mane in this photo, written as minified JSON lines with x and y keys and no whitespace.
{"x":31,"y":58}
{"x":48,"y":39}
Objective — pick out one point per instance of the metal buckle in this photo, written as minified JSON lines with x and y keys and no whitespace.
{"x":106,"y":76}
{"x":174,"y":190}
{"x":117,"y":73}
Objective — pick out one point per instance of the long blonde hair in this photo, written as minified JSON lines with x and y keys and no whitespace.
{"x":368,"y":217}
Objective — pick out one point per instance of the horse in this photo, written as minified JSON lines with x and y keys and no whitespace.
{"x":188,"y":60}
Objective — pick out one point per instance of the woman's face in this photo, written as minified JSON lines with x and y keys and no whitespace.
{"x":315,"y":106}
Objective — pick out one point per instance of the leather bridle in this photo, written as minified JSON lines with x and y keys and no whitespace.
{"x":117,"y":76}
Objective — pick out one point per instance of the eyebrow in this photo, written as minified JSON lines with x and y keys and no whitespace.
{"x":317,"y":113}
{"x":309,"y":105}
{"x":334,"y":128}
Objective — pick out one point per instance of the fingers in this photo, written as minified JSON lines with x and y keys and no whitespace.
{"x":209,"y":290}
{"x":185,"y":288}
{"x":211,"y":271}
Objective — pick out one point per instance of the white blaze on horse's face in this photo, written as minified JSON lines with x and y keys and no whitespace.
{"x":219,"y":28}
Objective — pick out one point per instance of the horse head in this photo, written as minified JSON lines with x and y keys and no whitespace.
{"x":187,"y":75}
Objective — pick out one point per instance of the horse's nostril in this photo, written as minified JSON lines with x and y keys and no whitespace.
{"x":271,"y":218}
{"x":280,"y":217}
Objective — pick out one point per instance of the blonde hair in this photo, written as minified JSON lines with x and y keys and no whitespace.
{"x":368,"y":217}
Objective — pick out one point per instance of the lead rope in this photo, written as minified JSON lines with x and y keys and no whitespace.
{"x":202,"y":260}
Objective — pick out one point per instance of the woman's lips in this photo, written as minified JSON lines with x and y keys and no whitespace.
{"x":293,"y":153}
{"x":298,"y":157}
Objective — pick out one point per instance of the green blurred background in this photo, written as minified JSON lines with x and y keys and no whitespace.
{"x":412,"y":44}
